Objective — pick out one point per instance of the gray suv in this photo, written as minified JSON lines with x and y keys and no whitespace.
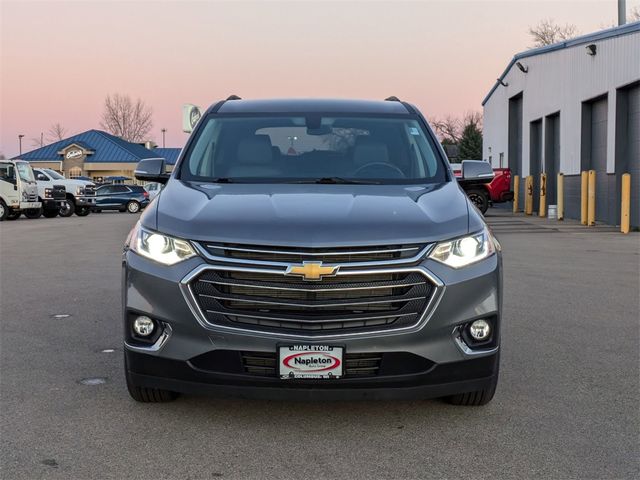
{"x":312,"y":249}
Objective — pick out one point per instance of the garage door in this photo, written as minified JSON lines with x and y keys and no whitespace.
{"x":535,"y":159}
{"x":599,"y":157}
{"x":628,"y":145}
{"x":552,"y":155}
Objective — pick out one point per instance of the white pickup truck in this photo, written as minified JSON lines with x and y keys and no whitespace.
{"x":80,"y":194}
{"x":18,"y":191}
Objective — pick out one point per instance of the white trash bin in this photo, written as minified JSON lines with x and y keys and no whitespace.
{"x":553,"y":211}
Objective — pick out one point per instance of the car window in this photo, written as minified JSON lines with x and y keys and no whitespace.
{"x":7,"y":172}
{"x":53,"y":174}
{"x":40,"y":175}
{"x":119,"y":189}
{"x":104,"y":190}
{"x":284,"y":148}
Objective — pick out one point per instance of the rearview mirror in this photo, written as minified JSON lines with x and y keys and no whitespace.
{"x":477,"y":171}
{"x":151,"y":170}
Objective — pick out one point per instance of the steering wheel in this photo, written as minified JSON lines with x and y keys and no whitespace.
{"x":380,"y":164}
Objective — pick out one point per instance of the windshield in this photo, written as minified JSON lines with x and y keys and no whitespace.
{"x":25,"y":172}
{"x":53,"y":174}
{"x":313,"y":148}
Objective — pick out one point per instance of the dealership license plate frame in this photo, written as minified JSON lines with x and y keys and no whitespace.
{"x":291,"y":349}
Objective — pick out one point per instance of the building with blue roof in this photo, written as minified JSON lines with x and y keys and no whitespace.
{"x":96,"y":154}
{"x":567,"y":108}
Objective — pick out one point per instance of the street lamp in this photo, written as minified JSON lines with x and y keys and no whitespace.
{"x":20,"y":142}
{"x":164,"y":130}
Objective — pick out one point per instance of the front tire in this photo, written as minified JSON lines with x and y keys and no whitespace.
{"x":479,"y":397}
{"x":67,"y":208}
{"x":479,"y":198}
{"x":145,"y":394}
{"x":83,"y":211}
{"x":4,"y":211}
{"x":133,"y":207}
{"x":33,"y":213}
{"x":13,"y":215}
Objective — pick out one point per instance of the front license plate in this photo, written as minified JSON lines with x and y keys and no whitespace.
{"x":310,"y":361}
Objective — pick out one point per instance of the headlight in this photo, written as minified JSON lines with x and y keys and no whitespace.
{"x":48,"y":193}
{"x":25,"y":195}
{"x":159,"y":248}
{"x":79,"y":190}
{"x":466,"y":250}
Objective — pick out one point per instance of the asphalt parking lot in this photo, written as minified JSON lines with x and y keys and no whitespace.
{"x":566,"y":406}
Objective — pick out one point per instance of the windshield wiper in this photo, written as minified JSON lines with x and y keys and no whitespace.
{"x":222,"y":180}
{"x":337,"y":180}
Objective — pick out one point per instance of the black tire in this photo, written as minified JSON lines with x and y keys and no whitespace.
{"x":14,"y":215}
{"x":133,"y":207}
{"x":148,"y":395}
{"x":4,"y":210}
{"x":33,"y":213}
{"x":50,"y":213}
{"x":479,"y":198}
{"x":68,"y":208}
{"x":83,"y":211}
{"x":479,"y":397}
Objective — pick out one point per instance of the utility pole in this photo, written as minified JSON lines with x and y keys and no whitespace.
{"x":622,"y":12}
{"x":164,"y":130}
{"x":20,"y":142}
{"x":41,"y":139}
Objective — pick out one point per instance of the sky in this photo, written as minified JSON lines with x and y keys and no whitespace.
{"x":60,"y":59}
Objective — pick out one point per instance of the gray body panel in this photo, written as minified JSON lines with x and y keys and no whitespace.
{"x":312,"y":215}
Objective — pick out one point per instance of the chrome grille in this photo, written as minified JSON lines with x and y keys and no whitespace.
{"x":341,"y":255}
{"x":274,"y":302}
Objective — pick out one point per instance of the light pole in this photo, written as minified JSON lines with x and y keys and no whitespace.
{"x":164,"y":130}
{"x":20,"y":142}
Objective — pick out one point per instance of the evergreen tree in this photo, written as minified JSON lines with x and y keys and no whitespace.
{"x":471,"y":143}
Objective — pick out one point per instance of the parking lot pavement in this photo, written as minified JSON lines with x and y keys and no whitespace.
{"x":566,"y":406}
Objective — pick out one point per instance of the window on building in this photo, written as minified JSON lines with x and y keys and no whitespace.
{"x":501,"y":159}
{"x":75,"y":172}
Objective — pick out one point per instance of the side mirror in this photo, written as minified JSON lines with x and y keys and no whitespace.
{"x":477,"y":171}
{"x":42,"y":178}
{"x":151,"y":170}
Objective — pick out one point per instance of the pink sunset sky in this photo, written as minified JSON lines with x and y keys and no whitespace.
{"x":60,"y":59}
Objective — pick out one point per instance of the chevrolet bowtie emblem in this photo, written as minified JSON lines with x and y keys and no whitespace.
{"x":312,"y":270}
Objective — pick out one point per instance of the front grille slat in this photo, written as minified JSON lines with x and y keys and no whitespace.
{"x":340,"y":255}
{"x":274,"y":302}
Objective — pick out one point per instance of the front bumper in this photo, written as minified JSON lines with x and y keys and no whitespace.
{"x":465,"y":295}
{"x":85,"y":201}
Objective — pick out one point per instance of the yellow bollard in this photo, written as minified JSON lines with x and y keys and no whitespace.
{"x":528,"y":200}
{"x":542,"y":211}
{"x":625,"y":209}
{"x":591,"y":199}
{"x":516,"y":193}
{"x":584,"y":183}
{"x":560,"y":196}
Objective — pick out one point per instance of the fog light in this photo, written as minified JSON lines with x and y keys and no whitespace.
{"x":143,"y":326}
{"x":480,"y":330}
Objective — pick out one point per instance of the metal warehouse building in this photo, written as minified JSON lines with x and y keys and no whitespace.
{"x":570,"y":107}
{"x":96,"y":154}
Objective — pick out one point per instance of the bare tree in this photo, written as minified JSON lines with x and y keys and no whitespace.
{"x":127,"y":119}
{"x":56,"y":133}
{"x":547,"y":31}
{"x":634,"y":14}
{"x":448,"y":128}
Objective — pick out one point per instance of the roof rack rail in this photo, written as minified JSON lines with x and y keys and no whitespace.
{"x":233,"y":97}
{"x":392,"y":98}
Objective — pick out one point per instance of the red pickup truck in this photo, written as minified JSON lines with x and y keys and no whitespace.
{"x":485,"y":194}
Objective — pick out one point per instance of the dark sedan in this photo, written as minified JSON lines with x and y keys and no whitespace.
{"x":125,"y":198}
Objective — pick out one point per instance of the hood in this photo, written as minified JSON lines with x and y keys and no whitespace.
{"x":310,"y":215}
